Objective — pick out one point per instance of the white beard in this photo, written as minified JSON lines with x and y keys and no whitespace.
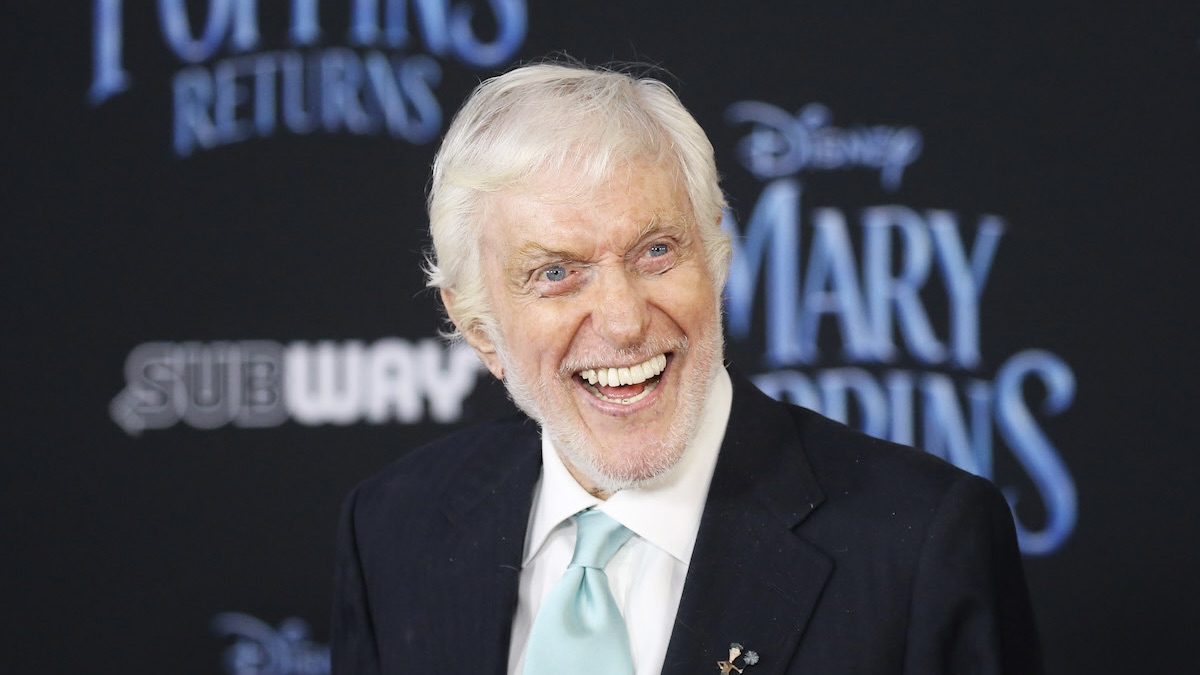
{"x":612,"y":471}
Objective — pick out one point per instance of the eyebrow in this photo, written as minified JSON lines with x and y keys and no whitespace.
{"x":532,"y":254}
{"x":675,"y":226}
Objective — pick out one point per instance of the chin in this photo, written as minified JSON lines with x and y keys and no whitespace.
{"x":610,"y":470}
{"x":639,"y":456}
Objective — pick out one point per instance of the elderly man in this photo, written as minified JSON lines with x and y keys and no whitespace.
{"x":650,"y":511}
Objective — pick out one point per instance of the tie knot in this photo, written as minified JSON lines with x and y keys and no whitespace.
{"x":598,"y":539}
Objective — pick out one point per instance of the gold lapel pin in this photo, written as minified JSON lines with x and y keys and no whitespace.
{"x":735,"y":650}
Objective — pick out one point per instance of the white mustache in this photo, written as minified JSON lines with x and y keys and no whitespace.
{"x":638,"y":355}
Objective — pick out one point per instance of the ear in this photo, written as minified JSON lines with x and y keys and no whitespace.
{"x":475,"y":336}
{"x":722,"y":255}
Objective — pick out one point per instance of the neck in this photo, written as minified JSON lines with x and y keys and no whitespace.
{"x":594,"y":490}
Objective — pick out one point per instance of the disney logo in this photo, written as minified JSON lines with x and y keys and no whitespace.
{"x":782,"y":144}
{"x":259,"y":649}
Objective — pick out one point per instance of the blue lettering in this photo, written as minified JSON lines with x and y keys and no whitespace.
{"x":946,"y":434}
{"x":893,"y":278}
{"x":334,"y":89}
{"x":341,"y":82}
{"x":780,"y":144}
{"x":902,"y":291}
{"x":403,"y":91}
{"x":791,"y":386}
{"x":108,"y":76}
{"x":231,"y":95}
{"x":831,"y":287}
{"x":264,"y":70}
{"x":193,"y":99}
{"x":1031,"y":446}
{"x":446,"y":30}
{"x":301,"y":96}
{"x":235,"y":19}
{"x":288,"y":650}
{"x":772,"y":230}
{"x":839,"y":384}
{"x":899,"y":386}
{"x":964,"y":278}
{"x":431,"y":17}
{"x":306,"y":23}
{"x":511,"y":23}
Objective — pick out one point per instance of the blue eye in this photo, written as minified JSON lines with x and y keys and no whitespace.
{"x":657,"y":250}
{"x":555,"y":273}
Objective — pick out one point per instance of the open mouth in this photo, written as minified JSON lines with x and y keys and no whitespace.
{"x":625,"y":385}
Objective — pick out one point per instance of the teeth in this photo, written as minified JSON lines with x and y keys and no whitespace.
{"x":636,"y":374}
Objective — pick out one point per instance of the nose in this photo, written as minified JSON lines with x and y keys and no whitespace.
{"x":622,"y":312}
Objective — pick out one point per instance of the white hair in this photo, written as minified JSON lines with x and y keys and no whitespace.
{"x":558,"y":119}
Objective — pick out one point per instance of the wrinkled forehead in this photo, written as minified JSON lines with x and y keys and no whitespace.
{"x":583,"y":184}
{"x":569,"y":210}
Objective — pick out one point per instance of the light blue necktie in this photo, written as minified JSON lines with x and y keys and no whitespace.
{"x":579,"y":630}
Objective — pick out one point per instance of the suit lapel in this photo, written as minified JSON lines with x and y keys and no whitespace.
{"x":752,"y":580}
{"x":488,"y":509}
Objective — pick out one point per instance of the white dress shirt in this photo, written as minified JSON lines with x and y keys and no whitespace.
{"x":646,"y":576}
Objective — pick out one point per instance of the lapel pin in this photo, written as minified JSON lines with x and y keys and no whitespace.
{"x":735,"y":650}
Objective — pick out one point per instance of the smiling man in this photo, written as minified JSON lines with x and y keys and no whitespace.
{"x":649,"y":511}
{"x":605,"y":319}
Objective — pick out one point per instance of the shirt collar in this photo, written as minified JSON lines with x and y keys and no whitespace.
{"x":666,"y":511}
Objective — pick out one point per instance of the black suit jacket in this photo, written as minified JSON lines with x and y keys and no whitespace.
{"x":822,"y":549}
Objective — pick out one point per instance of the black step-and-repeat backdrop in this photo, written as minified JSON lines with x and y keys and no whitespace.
{"x":971,"y":228}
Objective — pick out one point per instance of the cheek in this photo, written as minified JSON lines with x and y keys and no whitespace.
{"x":690,"y":302}
{"x":540,"y":338}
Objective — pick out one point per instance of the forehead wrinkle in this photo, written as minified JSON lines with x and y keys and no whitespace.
{"x":669,"y":219}
{"x":532,"y":251}
{"x":673,"y":225}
